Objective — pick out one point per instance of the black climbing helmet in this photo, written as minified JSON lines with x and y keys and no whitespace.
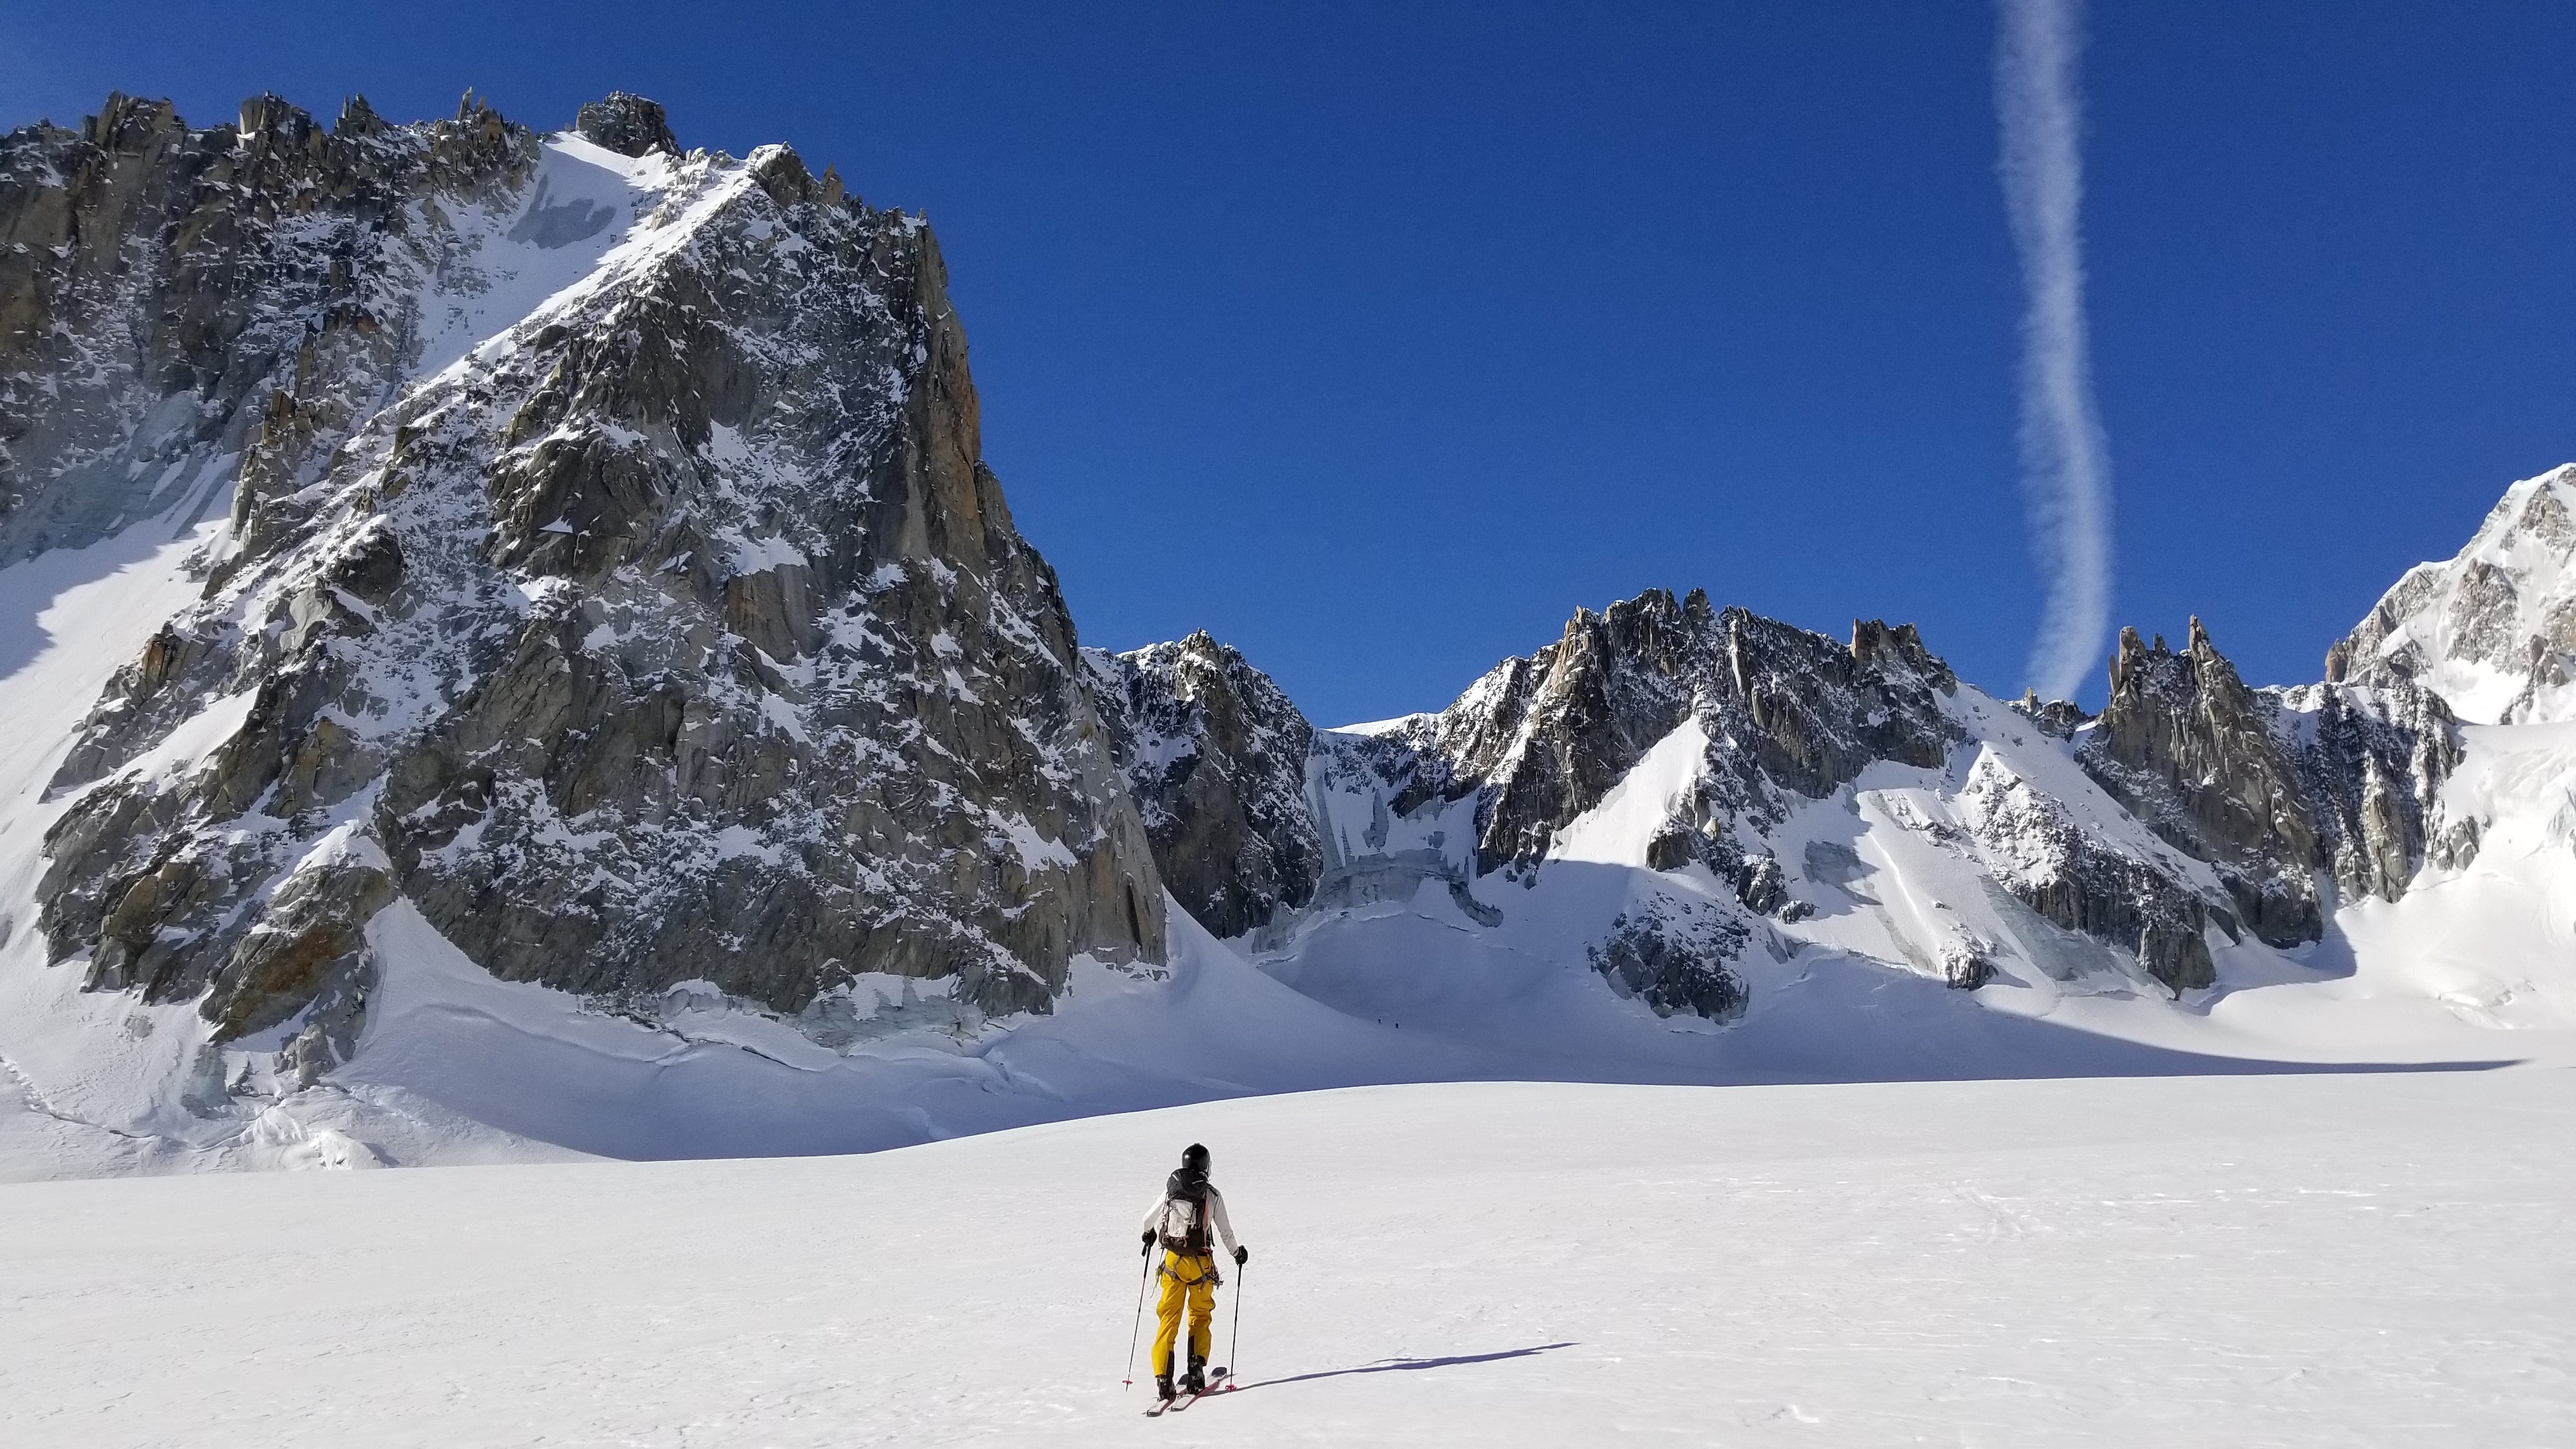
{"x":1195,"y":1158}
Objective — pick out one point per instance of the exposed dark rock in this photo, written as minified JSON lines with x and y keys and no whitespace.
{"x":2059,"y":717}
{"x":1761,"y":885}
{"x":2193,"y":753}
{"x":685,"y":636}
{"x":1216,"y":758}
{"x":1547,"y":736}
{"x":628,"y":125}
{"x":171,"y":296}
{"x":2039,"y":855}
{"x":312,"y":928}
{"x":1675,"y":962}
{"x":1966,"y":970}
{"x":2372,"y":762}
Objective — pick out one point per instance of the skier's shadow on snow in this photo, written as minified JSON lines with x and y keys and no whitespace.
{"x":1407,"y":1365}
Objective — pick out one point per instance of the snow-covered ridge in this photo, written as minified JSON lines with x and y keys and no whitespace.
{"x":1728,"y":819}
{"x":2491,"y":629}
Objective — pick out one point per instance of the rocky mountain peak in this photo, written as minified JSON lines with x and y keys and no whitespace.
{"x":1215,"y":755}
{"x":1902,"y":645}
{"x":2059,"y":717}
{"x":627,"y":124}
{"x":614,"y":576}
{"x":1547,"y":736}
{"x":2190,"y":750}
{"x":2491,"y":629}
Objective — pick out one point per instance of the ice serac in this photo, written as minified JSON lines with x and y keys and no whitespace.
{"x":614,"y":574}
{"x":1215,"y":756}
{"x":2493,"y":628}
{"x":2191,"y":751}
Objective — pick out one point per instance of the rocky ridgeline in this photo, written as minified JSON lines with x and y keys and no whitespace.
{"x":1784,"y":710}
{"x":675,"y":632}
{"x":161,"y":288}
{"x":1540,"y":740}
{"x":2298,"y":797}
{"x":1788,"y":716}
{"x":2288,"y":797}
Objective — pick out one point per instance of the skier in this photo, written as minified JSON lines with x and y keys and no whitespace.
{"x":1179,"y":1220}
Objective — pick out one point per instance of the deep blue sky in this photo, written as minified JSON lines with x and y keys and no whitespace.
{"x":1375,"y":338}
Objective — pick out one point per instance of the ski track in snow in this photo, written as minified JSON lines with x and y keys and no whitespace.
{"x":2364,"y":1259}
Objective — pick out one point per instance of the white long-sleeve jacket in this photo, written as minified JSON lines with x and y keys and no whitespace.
{"x":1216,"y":1218}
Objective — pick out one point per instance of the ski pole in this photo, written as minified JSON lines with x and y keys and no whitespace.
{"x":1139,"y":1322}
{"x":1234,"y":1340}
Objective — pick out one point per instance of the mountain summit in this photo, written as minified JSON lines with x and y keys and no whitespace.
{"x":2493,"y":628}
{"x":611,"y":574}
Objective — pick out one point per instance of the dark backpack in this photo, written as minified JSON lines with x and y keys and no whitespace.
{"x":1184,"y":1225}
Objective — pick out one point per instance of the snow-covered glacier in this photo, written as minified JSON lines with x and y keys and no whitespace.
{"x":512,"y":650}
{"x":2351,"y":1258}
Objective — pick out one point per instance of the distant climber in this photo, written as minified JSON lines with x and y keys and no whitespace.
{"x":1180,"y":1221}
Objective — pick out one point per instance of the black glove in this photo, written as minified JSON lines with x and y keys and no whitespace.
{"x":1149,"y":1240}
{"x":1242,"y":1256}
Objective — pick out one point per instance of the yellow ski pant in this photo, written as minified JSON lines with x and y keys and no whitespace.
{"x":1190,"y":1280}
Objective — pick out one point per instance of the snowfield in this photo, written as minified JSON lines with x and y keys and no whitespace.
{"x":2346,"y":1259}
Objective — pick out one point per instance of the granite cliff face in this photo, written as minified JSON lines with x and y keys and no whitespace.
{"x":2372,"y":763}
{"x":1216,"y":758}
{"x":614,"y":576}
{"x":2190,"y":750}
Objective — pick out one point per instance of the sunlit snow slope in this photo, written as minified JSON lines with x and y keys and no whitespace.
{"x":2359,"y":1259}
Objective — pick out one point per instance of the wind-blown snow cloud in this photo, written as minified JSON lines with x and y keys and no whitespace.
{"x":2066,"y":468}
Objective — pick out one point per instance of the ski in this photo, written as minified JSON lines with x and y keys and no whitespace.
{"x":1215,"y":1380}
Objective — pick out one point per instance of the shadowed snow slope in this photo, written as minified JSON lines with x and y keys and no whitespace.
{"x":2363,"y":1259}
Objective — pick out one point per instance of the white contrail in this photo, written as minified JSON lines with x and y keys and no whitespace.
{"x":2066,"y":468}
